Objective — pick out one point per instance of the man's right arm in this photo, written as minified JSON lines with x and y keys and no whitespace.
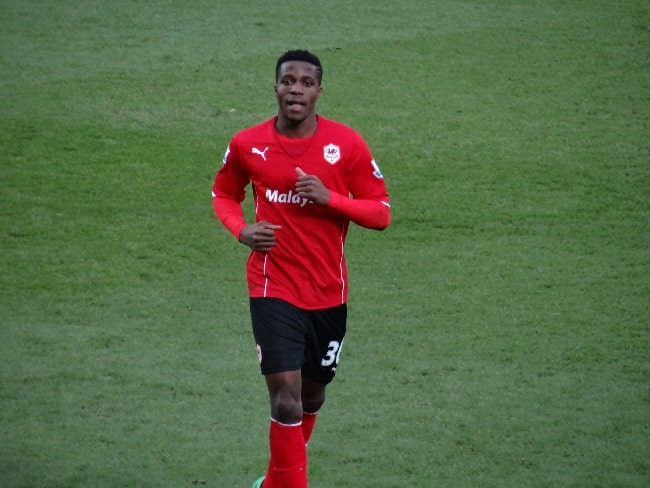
{"x":228,"y":191}
{"x":230,"y":214}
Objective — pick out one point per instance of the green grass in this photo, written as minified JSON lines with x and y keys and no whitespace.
{"x":499,"y":330}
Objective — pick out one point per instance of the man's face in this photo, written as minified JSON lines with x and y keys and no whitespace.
{"x":297,"y":90}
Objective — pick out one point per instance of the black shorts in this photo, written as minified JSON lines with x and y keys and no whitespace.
{"x":290,"y":338}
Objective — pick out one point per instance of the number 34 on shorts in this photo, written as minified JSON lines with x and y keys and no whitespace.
{"x":332,"y":356}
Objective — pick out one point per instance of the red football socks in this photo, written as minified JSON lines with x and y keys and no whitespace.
{"x":308,"y":421}
{"x":288,"y":465}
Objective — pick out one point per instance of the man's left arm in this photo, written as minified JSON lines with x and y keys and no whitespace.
{"x":372,"y":214}
{"x":366,"y":211}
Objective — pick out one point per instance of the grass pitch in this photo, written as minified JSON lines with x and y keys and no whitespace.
{"x":499,"y":332}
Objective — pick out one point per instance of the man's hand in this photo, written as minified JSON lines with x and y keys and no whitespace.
{"x":311,"y":188}
{"x":259,"y":236}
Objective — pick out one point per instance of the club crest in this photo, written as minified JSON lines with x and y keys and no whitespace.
{"x":332,"y":153}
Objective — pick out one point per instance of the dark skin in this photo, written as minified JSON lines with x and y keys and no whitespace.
{"x":297,"y":89}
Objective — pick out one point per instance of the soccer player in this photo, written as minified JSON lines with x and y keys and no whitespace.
{"x":310,"y":176}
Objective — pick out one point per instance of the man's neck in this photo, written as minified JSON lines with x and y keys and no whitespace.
{"x":297,"y":130}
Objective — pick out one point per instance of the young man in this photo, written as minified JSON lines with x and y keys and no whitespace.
{"x":310,"y":177}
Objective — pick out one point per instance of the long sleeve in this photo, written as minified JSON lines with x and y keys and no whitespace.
{"x":372,"y":214}
{"x":230,"y":213}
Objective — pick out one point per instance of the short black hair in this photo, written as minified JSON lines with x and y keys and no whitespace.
{"x":300,"y":55}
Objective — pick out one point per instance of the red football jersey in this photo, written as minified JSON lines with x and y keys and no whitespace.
{"x":306,"y":267}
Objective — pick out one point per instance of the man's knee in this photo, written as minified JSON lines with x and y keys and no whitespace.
{"x":285,"y":396}
{"x":286,"y":407}
{"x":313,"y":395}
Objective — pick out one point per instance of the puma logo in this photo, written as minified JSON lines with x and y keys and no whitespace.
{"x":260,"y":153}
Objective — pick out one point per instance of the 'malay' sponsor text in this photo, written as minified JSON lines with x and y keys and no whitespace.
{"x":275,"y":196}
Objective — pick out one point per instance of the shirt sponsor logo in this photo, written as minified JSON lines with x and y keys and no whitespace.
{"x":274,"y":196}
{"x":259,"y":152}
{"x":332,"y":153}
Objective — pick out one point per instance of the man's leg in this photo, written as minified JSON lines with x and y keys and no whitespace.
{"x":288,"y":463}
{"x":295,"y":395}
{"x":279,"y":330}
{"x":313,"y":397}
